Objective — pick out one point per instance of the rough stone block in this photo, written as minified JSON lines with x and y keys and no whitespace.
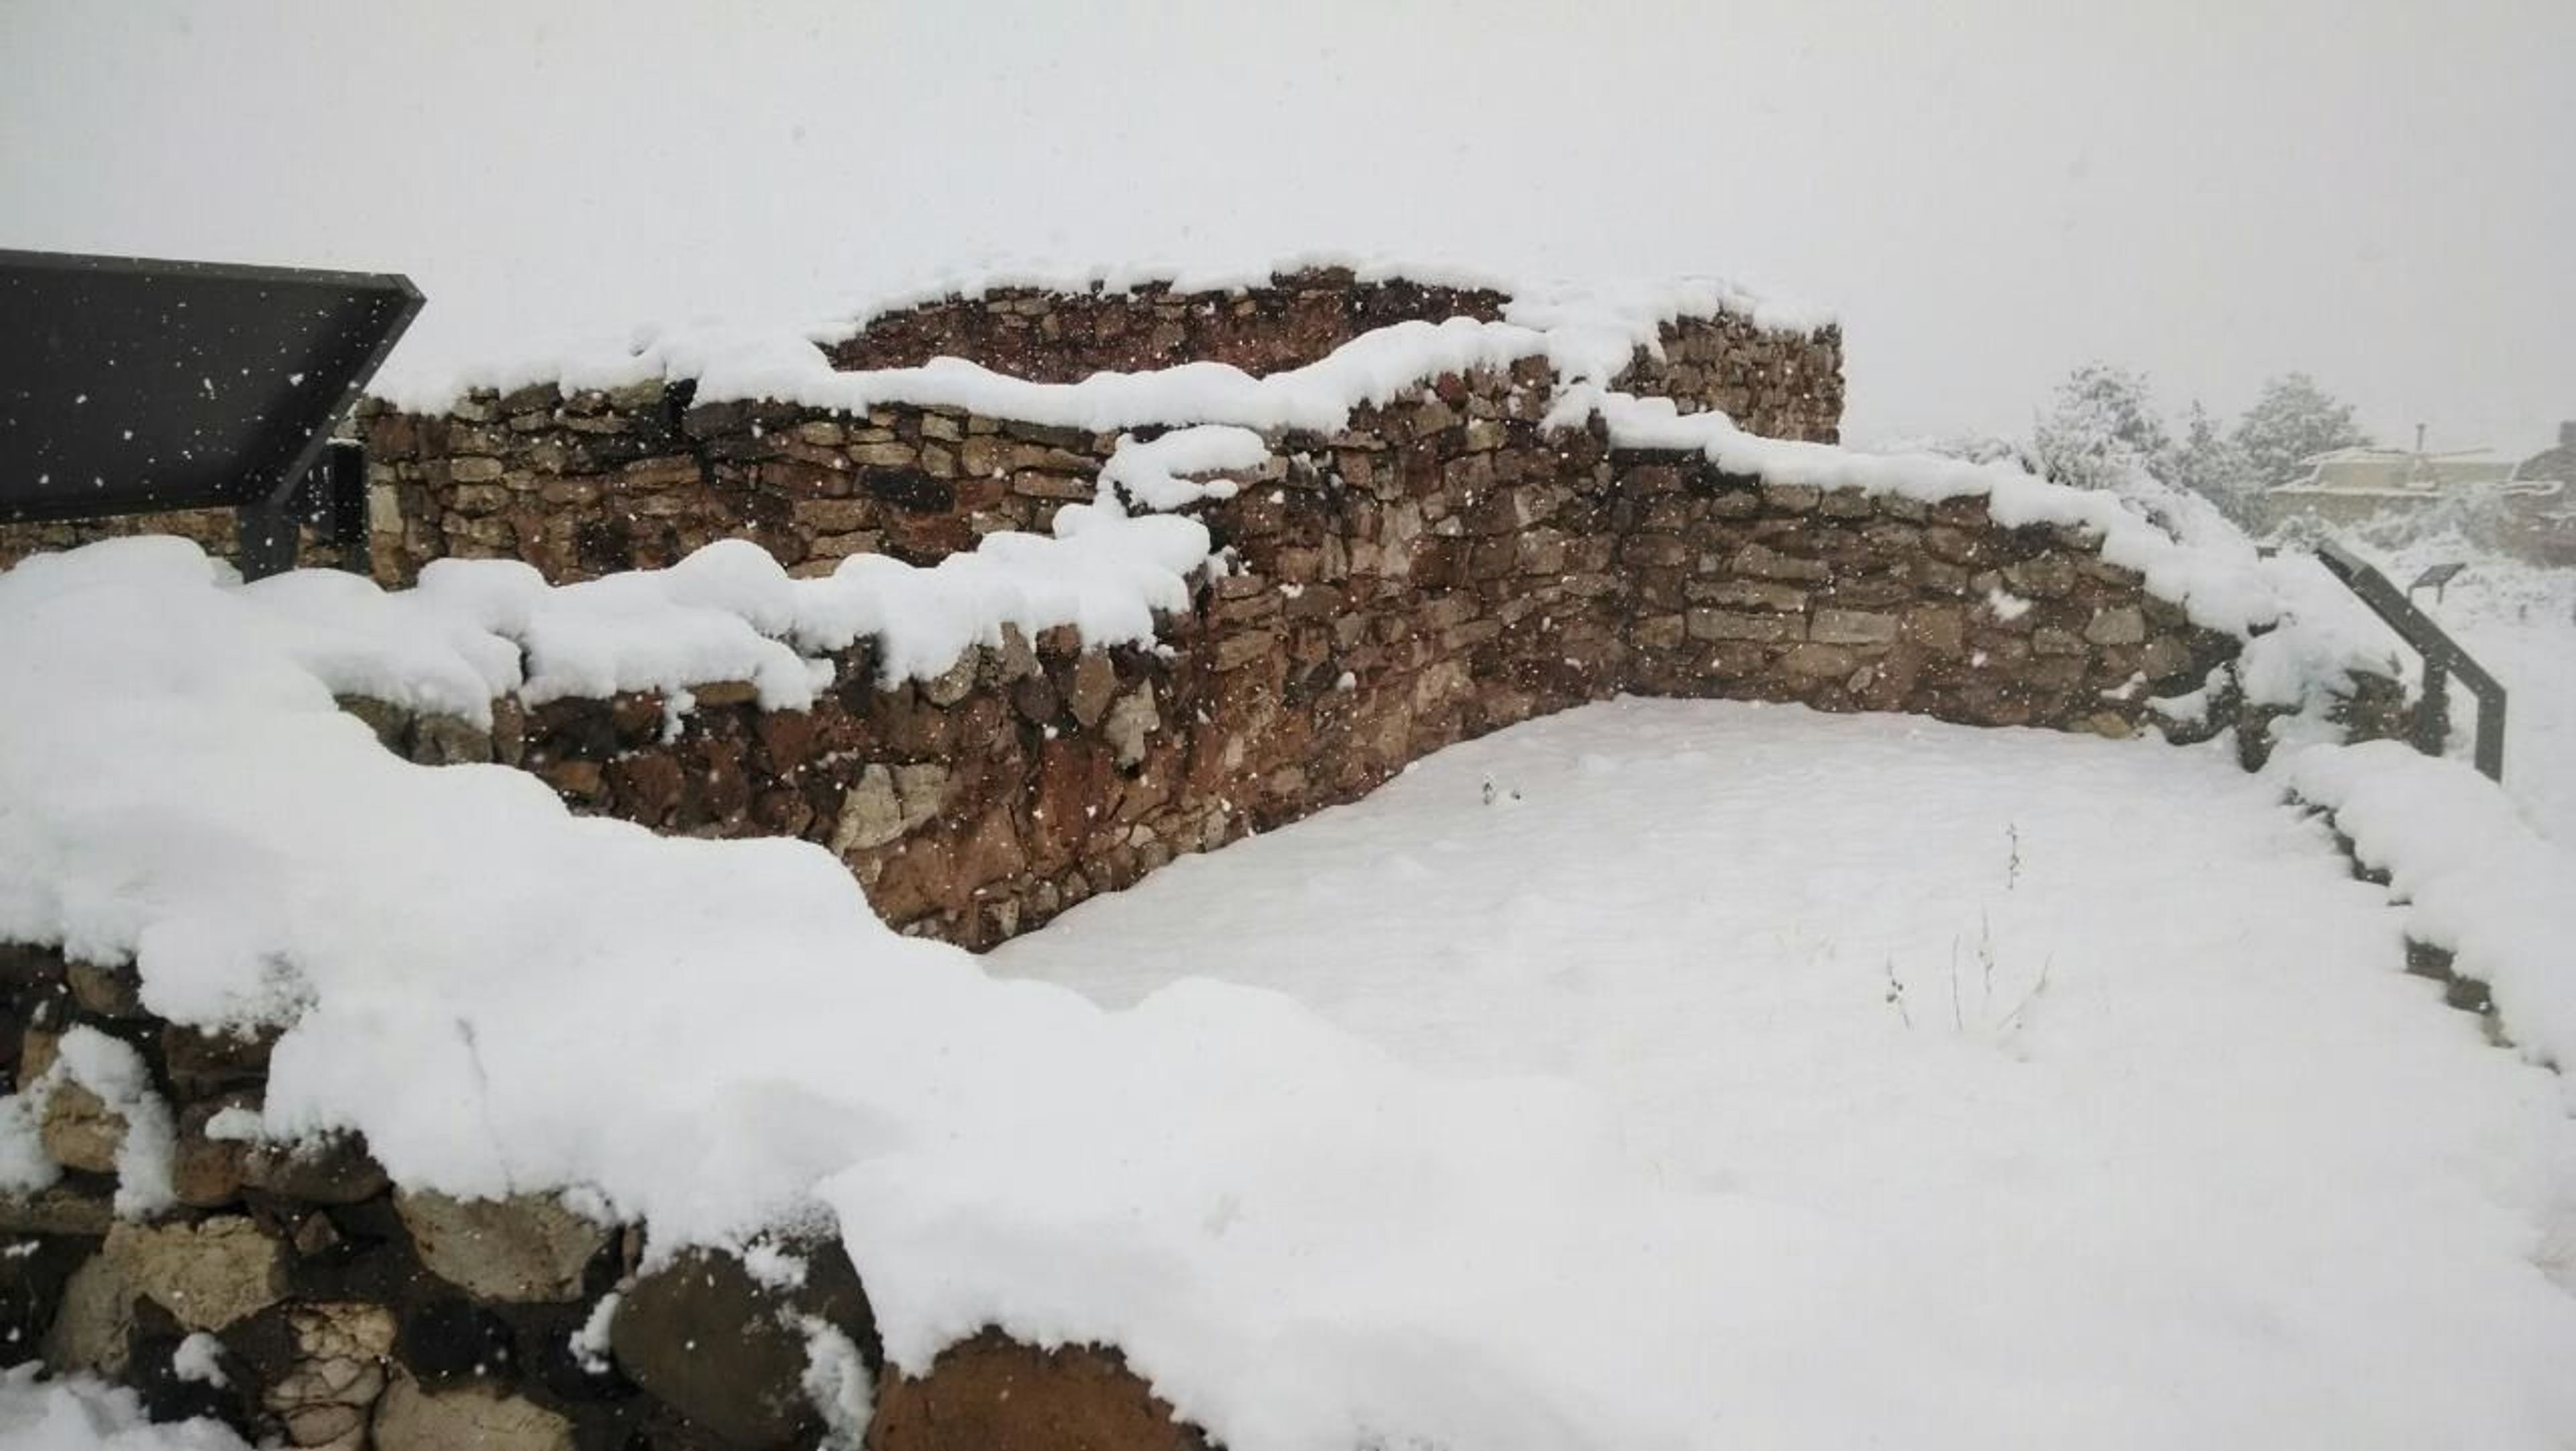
{"x":1814,"y":661}
{"x":1729,"y":625}
{"x":2117,"y":625}
{"x":1763,"y":562}
{"x":1752,"y":594}
{"x":331,"y":1169}
{"x":60,"y":1210}
{"x":93,"y":1321}
{"x":524,"y":1248}
{"x":871,"y":814}
{"x":1852,"y":627}
{"x":1941,"y":629}
{"x":1236,"y":651}
{"x":79,"y":1131}
{"x":730,"y":1352}
{"x":993,"y":1394}
{"x":1095,"y":682}
{"x":2044,"y":576}
{"x":413,"y":1419}
{"x":109,"y":991}
{"x":208,"y":1274}
{"x":1658,"y":632}
{"x":2164,"y":658}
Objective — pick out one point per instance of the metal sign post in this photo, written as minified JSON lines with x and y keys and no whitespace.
{"x":2436,"y":578}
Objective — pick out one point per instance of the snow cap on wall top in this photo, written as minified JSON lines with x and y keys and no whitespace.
{"x":731,"y":357}
{"x":1693,"y":295}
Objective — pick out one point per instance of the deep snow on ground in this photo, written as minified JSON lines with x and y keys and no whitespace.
{"x":2536,"y":660}
{"x":2191,"y":1163}
{"x":2227,"y":1179}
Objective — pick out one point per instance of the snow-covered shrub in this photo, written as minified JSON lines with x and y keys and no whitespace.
{"x":2101,"y":429}
{"x":2292,"y":421}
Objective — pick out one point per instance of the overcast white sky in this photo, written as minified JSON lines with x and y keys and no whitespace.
{"x":2382,"y":194}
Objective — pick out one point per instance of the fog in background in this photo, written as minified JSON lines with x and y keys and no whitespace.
{"x":2381,"y":194}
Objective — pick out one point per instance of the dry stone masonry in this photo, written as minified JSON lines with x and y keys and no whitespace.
{"x":596,"y":480}
{"x":299,"y":1296}
{"x":212,"y":529}
{"x":1379,"y":610}
{"x":1446,"y":564}
{"x":1050,"y":336}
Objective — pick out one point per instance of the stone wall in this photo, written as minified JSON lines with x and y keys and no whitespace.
{"x":1758,"y":376}
{"x":595,"y":481}
{"x":336,"y":1310}
{"x":213,"y":529}
{"x":1442,"y":568}
{"x":591,"y":481}
{"x":1063,"y":337}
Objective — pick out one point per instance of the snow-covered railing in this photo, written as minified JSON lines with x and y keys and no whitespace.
{"x":2475,"y":880}
{"x":2443,"y":658}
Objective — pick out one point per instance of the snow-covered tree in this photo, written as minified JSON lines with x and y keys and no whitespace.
{"x":1975,"y":448}
{"x":2101,"y":428}
{"x":2293,"y":421}
{"x":2210,"y":464}
{"x":2103,"y":432}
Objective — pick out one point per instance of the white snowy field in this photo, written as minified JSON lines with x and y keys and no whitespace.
{"x":1659,"y":1076}
{"x":2535,"y":657}
{"x":2068,"y":1092}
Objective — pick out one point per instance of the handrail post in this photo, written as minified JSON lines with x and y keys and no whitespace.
{"x":2433,"y":717}
{"x":2490,"y":744}
{"x":2442,"y":656}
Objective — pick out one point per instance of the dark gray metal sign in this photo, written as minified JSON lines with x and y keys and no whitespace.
{"x":129,"y":385}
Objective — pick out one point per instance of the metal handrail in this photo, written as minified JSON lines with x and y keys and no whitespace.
{"x":2443,"y":658}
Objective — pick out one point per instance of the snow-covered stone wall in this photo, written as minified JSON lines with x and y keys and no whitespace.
{"x":1427,"y":534}
{"x":587,"y":481}
{"x":1782,"y":381}
{"x":1440,"y":570}
{"x":301,"y":1297}
{"x":213,"y":529}
{"x":1443,"y":563}
{"x":1050,"y":335}
{"x":1042,"y":638}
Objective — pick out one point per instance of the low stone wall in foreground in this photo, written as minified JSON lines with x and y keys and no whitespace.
{"x":301,"y":1298}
